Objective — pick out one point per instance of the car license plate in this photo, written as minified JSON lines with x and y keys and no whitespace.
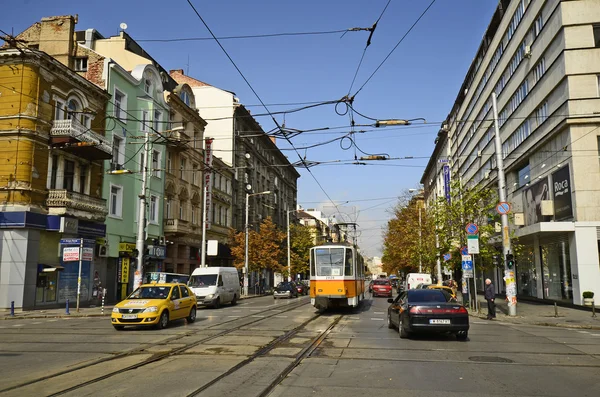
{"x":129,"y":316}
{"x":433,"y":321}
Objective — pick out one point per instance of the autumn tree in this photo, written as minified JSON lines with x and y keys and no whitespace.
{"x":301,"y":240}
{"x":265,"y":247}
{"x":403,"y":247}
{"x":466,"y":205}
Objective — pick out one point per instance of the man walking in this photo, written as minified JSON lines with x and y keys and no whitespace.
{"x":489,"y":297}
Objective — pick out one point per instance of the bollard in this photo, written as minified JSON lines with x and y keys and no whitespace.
{"x":555,"y":310}
{"x":12,"y":308}
{"x":593,"y":309}
{"x":103,"y":304}
{"x":67,"y":308}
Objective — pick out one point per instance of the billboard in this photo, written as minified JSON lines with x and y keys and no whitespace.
{"x":532,"y":201}
{"x":561,"y":188}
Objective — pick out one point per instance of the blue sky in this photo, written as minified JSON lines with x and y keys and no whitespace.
{"x":420,"y":79}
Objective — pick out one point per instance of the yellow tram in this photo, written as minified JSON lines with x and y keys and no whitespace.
{"x":337,"y":276}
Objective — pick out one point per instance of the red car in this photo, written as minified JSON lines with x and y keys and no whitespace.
{"x":382,"y":287}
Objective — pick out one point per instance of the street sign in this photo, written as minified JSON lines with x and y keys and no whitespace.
{"x":447,"y":257}
{"x":467,"y":266}
{"x":467,"y":262}
{"x":464,"y":250}
{"x":87,"y":254}
{"x":503,"y":208}
{"x":472,"y":228}
{"x":473,"y":244}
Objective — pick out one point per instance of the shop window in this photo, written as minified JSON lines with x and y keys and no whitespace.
{"x":556,"y":269}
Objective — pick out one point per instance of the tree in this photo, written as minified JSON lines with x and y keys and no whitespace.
{"x":466,"y":205}
{"x":301,"y":240}
{"x":404,"y":249}
{"x":265,"y":248}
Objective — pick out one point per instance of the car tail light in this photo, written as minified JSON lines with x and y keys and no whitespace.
{"x":414,"y":310}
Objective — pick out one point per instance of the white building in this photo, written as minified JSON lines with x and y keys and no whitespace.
{"x":542,"y":59}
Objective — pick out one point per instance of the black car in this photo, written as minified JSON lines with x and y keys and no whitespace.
{"x":427,"y":310}
{"x":285,"y":289}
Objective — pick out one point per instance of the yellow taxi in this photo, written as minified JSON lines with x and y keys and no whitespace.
{"x":449,"y":290}
{"x":155,"y":305}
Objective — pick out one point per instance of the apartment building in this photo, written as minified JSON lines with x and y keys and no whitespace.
{"x":52,"y":137}
{"x":541,"y":60}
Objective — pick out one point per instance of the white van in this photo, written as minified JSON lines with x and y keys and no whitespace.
{"x":414,"y":279}
{"x":214,"y":286}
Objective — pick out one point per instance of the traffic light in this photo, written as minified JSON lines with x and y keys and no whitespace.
{"x":510,"y":261}
{"x":146,"y":261}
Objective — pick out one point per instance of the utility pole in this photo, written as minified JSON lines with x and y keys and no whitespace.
{"x":246,"y":226}
{"x":203,"y":252}
{"x":289,"y":262}
{"x":141,"y":238}
{"x":511,"y":291}
{"x":420,"y":240}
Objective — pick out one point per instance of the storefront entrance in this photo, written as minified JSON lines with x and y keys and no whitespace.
{"x":46,"y":284}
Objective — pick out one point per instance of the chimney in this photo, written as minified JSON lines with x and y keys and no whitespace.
{"x":57,"y":37}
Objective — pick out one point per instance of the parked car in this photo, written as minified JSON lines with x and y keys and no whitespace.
{"x":382,"y":287}
{"x":427,"y":310}
{"x":285,"y":289}
{"x":155,"y":305}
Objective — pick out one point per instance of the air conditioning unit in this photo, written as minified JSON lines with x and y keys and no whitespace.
{"x":102,"y":251}
{"x":486,"y":175}
{"x":527,"y":51}
{"x":479,"y":153}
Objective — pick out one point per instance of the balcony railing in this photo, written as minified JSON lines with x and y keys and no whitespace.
{"x":75,"y":131}
{"x":173,"y":225}
{"x":83,"y":202}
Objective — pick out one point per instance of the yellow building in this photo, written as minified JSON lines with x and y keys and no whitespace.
{"x":52,"y":144}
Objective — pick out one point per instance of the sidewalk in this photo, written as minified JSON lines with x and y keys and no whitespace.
{"x":92,"y":311}
{"x":541,"y":314}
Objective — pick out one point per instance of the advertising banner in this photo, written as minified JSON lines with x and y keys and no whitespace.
{"x":561,"y":187}
{"x":532,"y":202}
{"x":447,"y":182}
{"x":208,"y":161}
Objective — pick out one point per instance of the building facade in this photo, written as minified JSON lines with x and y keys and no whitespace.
{"x":540,"y":59}
{"x":52,"y":133}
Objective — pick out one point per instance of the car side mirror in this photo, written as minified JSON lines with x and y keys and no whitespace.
{"x":390,"y":300}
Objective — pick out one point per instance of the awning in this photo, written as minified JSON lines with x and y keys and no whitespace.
{"x":50,"y":268}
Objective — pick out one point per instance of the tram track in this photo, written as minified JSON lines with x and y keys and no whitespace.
{"x":157,"y":356}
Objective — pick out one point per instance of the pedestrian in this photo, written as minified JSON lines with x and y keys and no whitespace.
{"x":489,"y":297}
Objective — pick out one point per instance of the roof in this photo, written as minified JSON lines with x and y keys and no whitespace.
{"x":181,"y":78}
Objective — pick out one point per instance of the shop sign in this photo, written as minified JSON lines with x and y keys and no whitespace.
{"x":124,"y":270}
{"x":208,"y":161}
{"x":70,"y":254}
{"x":126,"y":247}
{"x":447,"y":182}
{"x":87,"y":254}
{"x":157,"y":251}
{"x":561,"y":186}
{"x":69,"y":225}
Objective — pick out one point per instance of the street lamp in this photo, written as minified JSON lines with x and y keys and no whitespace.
{"x":246,"y":236}
{"x":289,"y":263}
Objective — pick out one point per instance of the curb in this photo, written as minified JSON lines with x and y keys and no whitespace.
{"x":542,"y":324}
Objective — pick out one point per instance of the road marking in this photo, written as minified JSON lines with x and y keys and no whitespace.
{"x":375,"y":318}
{"x":236,"y":311}
{"x":479,"y":322}
{"x":257,"y":315}
{"x":51,"y":321}
{"x":18,"y":325}
{"x":280,"y":316}
{"x":35,"y":323}
{"x":583,"y":332}
{"x":254,"y":310}
{"x":378,"y":312}
{"x":234,"y":316}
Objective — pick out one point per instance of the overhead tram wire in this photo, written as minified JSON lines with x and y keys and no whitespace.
{"x":393,"y":49}
{"x":259,"y":98}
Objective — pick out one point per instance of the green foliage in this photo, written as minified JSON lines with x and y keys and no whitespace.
{"x":265,"y":248}
{"x":588,"y":294}
{"x":301,"y":240}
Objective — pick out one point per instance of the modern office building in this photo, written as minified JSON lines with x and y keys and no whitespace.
{"x":541,"y":59}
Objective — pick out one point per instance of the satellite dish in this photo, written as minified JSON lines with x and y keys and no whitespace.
{"x":123,"y":25}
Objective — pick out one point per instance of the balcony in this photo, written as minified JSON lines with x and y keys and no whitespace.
{"x":71,"y":136}
{"x":62,"y":201}
{"x":178,"y":226}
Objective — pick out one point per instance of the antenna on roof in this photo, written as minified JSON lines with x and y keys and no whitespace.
{"x":123,"y":26}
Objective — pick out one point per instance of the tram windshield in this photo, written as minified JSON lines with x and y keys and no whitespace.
{"x":329,"y":261}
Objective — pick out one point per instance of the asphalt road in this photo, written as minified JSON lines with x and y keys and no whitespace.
{"x":242,"y":350}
